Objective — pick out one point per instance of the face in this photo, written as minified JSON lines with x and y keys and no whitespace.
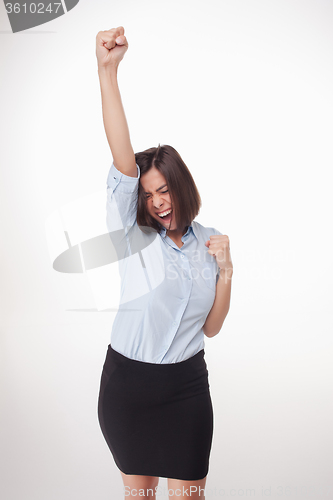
{"x":158,"y":198}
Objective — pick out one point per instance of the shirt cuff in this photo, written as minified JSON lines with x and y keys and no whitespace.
{"x":126,"y":183}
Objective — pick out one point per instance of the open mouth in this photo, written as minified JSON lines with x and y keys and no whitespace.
{"x":165,"y":216}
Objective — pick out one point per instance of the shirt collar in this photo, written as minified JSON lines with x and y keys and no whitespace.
{"x":190,"y":228}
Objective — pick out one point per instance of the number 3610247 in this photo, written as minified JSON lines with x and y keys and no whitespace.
{"x":32,"y":8}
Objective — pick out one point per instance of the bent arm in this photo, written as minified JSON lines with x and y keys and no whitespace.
{"x":115,"y":123}
{"x":220,"y":308}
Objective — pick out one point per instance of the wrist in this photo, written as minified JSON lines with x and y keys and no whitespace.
{"x":110,"y":69}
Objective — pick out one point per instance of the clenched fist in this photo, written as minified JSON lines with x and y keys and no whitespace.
{"x":218,"y":246}
{"x":111,"y":46}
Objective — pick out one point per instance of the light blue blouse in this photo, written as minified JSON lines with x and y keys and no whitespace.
{"x":166,"y":291}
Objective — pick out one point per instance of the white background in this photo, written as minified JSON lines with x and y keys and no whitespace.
{"x":243,"y":90}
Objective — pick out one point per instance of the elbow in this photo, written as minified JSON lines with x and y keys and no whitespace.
{"x":209,"y":333}
{"x":212,"y":327}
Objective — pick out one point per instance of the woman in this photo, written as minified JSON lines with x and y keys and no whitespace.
{"x":154,"y":406}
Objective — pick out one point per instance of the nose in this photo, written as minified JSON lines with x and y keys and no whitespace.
{"x":157,"y":201}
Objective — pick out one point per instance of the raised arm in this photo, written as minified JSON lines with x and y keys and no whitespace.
{"x":111,"y":46}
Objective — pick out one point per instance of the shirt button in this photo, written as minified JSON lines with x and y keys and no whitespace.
{"x":182,"y":256}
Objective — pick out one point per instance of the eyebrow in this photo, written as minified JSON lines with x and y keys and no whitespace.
{"x":158,"y":189}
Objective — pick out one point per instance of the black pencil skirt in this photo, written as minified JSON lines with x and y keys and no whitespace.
{"x":157,"y":419}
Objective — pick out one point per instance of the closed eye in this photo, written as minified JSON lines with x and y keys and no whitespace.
{"x":148,"y":194}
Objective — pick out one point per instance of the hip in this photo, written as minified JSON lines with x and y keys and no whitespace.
{"x":135,"y":380}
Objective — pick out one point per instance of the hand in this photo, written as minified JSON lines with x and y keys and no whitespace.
{"x":218,"y":246}
{"x":111,"y":46}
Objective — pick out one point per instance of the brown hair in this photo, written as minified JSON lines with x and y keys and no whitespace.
{"x":185,"y":197}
